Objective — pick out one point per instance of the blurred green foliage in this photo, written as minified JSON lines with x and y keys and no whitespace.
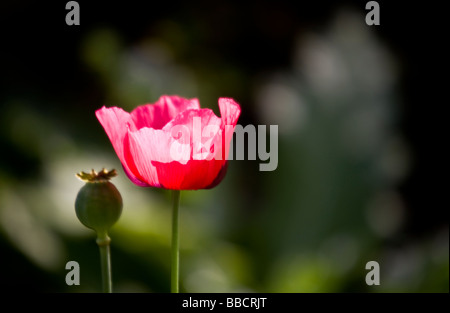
{"x":335,"y":202}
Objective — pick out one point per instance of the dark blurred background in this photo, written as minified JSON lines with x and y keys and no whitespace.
{"x":355,"y":107}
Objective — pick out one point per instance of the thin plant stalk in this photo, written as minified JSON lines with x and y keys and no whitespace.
{"x":175,"y":255}
{"x":103,"y":242}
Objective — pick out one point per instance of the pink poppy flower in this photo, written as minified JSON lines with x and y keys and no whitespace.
{"x":172,"y":144}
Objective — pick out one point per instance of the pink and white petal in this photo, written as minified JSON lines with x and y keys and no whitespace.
{"x":115,"y":120}
{"x":177,"y":104}
{"x":134,"y":179}
{"x":187,"y":118}
{"x":202,"y":127}
{"x":163,"y":111}
{"x":229,"y":111}
{"x":147,"y":145}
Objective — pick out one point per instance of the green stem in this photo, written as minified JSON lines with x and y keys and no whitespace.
{"x":105,"y":259}
{"x":175,"y":244}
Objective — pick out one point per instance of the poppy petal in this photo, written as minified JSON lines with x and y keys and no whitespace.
{"x":203,"y":129}
{"x":147,"y":145}
{"x":115,"y":121}
{"x":163,"y":111}
{"x":195,"y":174}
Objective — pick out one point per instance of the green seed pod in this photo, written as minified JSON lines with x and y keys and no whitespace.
{"x":98,"y":204}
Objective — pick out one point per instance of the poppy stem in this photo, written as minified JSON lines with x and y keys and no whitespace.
{"x":175,"y":244}
{"x":103,"y":242}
